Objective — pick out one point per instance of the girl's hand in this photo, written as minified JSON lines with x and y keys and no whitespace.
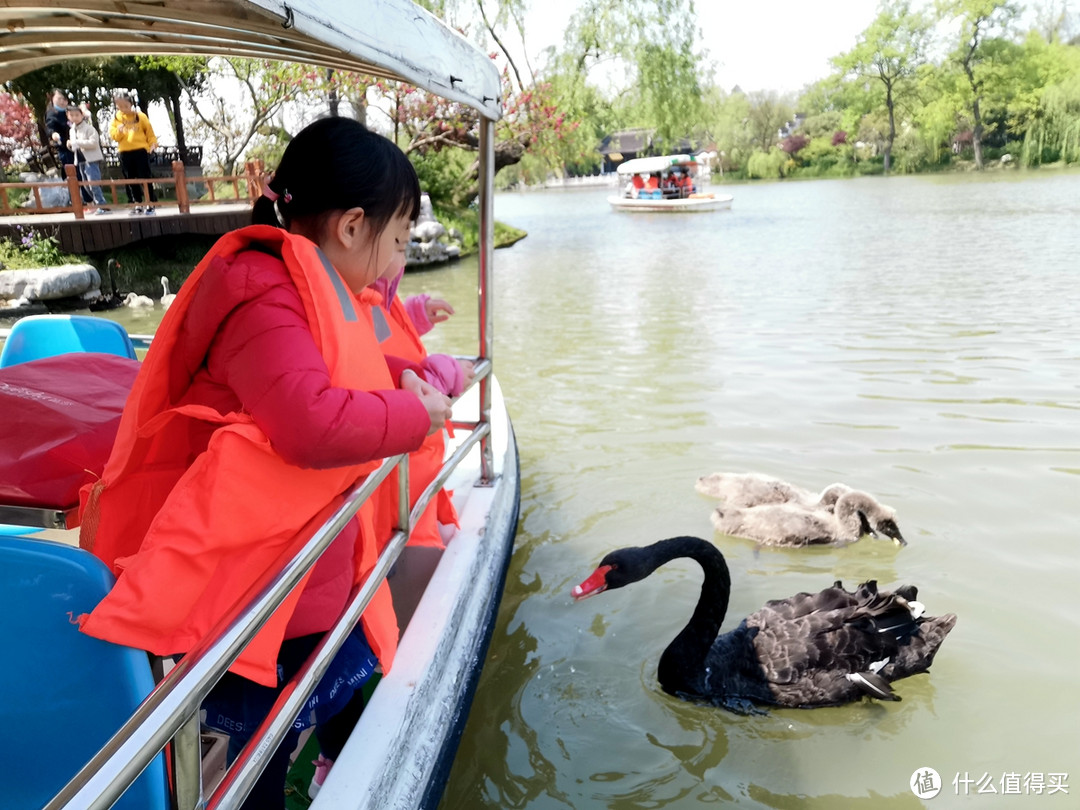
{"x":468,"y":368}
{"x":438,"y":310}
{"x":436,"y":403}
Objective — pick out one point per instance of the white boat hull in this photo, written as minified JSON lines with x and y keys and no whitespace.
{"x":717,"y":202}
{"x":399,"y":756}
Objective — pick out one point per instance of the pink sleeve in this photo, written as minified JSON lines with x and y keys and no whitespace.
{"x":416,"y":306}
{"x":266,"y":352}
{"x":445,"y":373}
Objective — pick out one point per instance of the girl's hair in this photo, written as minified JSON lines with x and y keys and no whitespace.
{"x":335,"y":164}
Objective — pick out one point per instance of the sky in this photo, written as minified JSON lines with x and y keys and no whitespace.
{"x":765,"y":45}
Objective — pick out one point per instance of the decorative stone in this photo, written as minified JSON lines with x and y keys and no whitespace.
{"x":49,"y":283}
{"x":51,"y":196}
{"x":424,"y":246}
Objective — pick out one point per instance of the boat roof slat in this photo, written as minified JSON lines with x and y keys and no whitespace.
{"x":377,"y":37}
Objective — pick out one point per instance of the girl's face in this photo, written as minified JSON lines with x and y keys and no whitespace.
{"x":74,"y":115}
{"x":123,"y":105}
{"x":360,"y":254}
{"x":60,"y":100}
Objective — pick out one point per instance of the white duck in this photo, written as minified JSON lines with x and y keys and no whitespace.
{"x":136,"y":301}
{"x":791,"y":524}
{"x":166,"y":297}
{"x":743,"y":490}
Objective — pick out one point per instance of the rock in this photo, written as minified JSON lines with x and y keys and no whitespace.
{"x":424,"y":245}
{"x":427,"y":231}
{"x":51,"y":196}
{"x":49,"y":283}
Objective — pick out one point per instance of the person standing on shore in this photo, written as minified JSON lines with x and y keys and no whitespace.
{"x":56,"y":127}
{"x":135,"y":140}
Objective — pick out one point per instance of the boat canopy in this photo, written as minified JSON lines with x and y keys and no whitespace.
{"x":649,"y":165}
{"x":391,"y":39}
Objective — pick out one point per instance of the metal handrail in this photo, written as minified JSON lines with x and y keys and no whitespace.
{"x":249,"y":764}
{"x":177,"y":698}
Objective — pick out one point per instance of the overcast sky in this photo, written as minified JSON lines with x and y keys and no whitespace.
{"x":764,"y":45}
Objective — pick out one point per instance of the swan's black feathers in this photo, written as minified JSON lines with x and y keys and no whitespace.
{"x":812,"y":649}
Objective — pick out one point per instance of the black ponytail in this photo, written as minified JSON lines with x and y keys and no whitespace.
{"x":335,"y":164}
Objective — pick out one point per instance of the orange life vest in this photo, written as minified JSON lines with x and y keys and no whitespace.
{"x":402,"y":340}
{"x":188,"y":537}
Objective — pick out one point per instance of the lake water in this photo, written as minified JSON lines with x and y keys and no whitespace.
{"x":915,"y":337}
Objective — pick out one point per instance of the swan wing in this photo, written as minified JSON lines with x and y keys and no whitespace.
{"x":807,"y":657}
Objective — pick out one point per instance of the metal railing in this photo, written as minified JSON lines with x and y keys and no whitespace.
{"x":174,"y":704}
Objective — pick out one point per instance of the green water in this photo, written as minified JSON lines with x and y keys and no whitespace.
{"x":914,"y":337}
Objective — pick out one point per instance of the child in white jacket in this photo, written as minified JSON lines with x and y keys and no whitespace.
{"x":86,"y":145}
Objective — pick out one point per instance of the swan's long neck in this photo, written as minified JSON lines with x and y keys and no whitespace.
{"x":686,"y":655}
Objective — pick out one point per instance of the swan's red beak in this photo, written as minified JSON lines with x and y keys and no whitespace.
{"x":596,"y":583}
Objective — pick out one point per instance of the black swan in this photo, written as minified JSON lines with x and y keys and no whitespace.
{"x":743,"y":490}
{"x":809,"y":650}
{"x":789,"y":524}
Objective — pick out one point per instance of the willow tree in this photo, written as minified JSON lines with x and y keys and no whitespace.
{"x":645,"y":51}
{"x":890,"y":51}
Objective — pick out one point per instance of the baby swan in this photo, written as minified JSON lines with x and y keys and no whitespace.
{"x":744,"y":490}
{"x":136,"y":301}
{"x":789,"y":524}
{"x":812,"y":649}
{"x":166,"y":297}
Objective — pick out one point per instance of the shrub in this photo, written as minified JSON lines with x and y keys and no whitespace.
{"x":33,"y":248}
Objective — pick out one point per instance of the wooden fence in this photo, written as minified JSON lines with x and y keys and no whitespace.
{"x":247,"y":186}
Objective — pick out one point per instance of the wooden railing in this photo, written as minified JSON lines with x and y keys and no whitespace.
{"x":245,"y":187}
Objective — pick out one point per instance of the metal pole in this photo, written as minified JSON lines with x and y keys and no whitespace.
{"x":487,"y":264}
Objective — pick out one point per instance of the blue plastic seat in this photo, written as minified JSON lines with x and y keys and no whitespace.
{"x":37,"y":336}
{"x":63,"y":694}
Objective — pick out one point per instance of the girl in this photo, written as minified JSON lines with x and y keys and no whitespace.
{"x":86,"y":146}
{"x":263,"y":397}
{"x":135,"y":140}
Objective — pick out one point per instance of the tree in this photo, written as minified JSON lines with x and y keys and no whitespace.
{"x":890,"y":51}
{"x":650,"y":44}
{"x":266,"y":86}
{"x":768,"y":112}
{"x":976,"y":51}
{"x":17,"y":128}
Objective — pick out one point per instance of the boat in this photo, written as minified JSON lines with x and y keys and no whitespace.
{"x":399,"y":754}
{"x":666,"y":183}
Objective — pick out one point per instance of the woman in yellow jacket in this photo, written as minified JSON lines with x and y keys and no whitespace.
{"x":135,"y":140}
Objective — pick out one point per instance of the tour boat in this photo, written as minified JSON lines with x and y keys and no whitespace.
{"x":69,"y":738}
{"x":664,"y":183}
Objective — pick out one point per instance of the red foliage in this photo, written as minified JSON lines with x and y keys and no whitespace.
{"x":839,"y":137}
{"x":793,"y":143}
{"x":17,"y":128}
{"x":530,"y":117}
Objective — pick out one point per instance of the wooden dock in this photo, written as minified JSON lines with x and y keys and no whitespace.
{"x":104,"y":232}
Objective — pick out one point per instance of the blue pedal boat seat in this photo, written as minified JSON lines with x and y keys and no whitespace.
{"x":63,"y":694}
{"x":37,"y":336}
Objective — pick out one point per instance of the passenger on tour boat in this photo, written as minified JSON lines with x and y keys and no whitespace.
{"x":686,"y":184}
{"x":265,"y":396}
